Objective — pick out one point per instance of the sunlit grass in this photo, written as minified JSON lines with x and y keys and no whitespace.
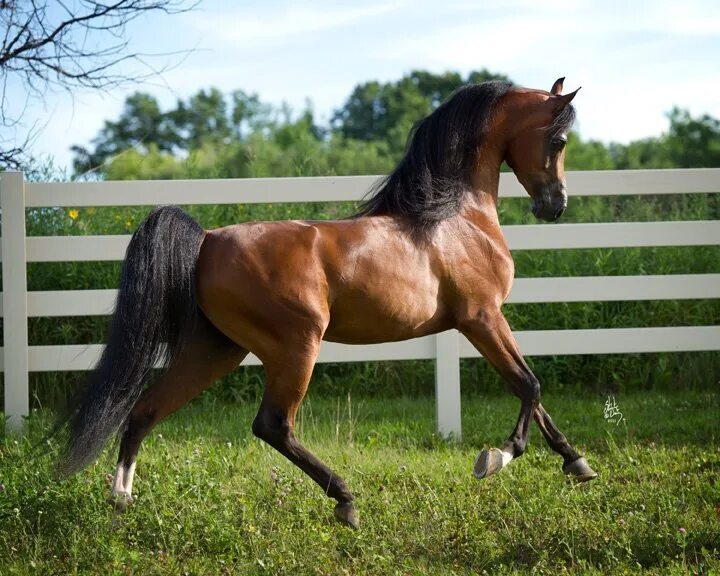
{"x":211,"y":499}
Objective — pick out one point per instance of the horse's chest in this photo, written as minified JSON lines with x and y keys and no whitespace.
{"x":485,"y":272}
{"x":505,"y":273}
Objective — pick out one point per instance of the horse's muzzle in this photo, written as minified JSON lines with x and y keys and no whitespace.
{"x":549,"y":204}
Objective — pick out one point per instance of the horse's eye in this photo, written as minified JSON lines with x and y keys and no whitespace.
{"x":557,"y":144}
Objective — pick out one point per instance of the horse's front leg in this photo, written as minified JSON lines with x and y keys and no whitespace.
{"x":490,"y":333}
{"x":574,"y":465}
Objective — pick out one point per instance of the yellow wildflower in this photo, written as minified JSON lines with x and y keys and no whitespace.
{"x":73,"y":214}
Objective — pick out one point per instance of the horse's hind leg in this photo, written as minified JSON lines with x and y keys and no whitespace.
{"x":492,"y":336}
{"x":287,"y":381}
{"x":208,"y":355}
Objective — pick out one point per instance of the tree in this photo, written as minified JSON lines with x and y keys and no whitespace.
{"x":645,"y":153}
{"x":141,"y":125}
{"x":210,"y":135}
{"x":587,"y":155}
{"x":387,"y":112}
{"x":49,"y":44}
{"x":249,"y":114}
{"x":689,"y":143}
{"x":204,"y":119}
{"x":693,"y":142}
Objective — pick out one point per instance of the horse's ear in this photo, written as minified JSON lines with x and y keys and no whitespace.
{"x":560,"y":101}
{"x":557,"y":87}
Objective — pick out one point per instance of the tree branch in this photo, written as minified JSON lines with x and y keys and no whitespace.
{"x":67,"y":47}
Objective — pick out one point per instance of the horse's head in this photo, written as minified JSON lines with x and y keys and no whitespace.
{"x":537,"y":133}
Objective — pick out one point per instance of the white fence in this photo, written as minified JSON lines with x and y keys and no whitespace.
{"x":17,"y":359}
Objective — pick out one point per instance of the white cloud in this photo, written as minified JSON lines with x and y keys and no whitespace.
{"x":687,"y":18}
{"x":254,"y":29}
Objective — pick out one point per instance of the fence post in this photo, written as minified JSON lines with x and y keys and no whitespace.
{"x":447,"y":384}
{"x":14,"y":276}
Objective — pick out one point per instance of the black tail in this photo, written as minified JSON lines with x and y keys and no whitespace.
{"x":156,"y":308}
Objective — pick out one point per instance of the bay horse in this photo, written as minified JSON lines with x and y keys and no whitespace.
{"x":424,"y":254}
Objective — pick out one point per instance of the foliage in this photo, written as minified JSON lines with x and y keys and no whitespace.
{"x":293,"y":147}
{"x":689,"y":143}
{"x":376,"y":117}
{"x":243,"y":137}
{"x":211,"y":499}
{"x":693,"y":142}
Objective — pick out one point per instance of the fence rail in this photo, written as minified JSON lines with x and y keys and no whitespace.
{"x":17,"y":358}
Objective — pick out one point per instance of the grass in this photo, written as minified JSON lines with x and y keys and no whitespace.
{"x":211,"y":499}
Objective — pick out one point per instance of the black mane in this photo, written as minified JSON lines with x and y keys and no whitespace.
{"x":430,"y":182}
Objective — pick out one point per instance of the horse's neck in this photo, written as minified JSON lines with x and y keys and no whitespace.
{"x":485,"y":179}
{"x":481,"y":201}
{"x":480,"y":210}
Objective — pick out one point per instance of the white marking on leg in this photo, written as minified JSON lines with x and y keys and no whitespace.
{"x":506,"y":458}
{"x":508,"y":451}
{"x":118,"y":485}
{"x":129,"y":475}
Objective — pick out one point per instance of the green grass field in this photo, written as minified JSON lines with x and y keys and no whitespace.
{"x":211,"y":499}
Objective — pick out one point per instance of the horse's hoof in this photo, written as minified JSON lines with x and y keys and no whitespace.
{"x":488,"y":463}
{"x":347,"y":514}
{"x":120,"y":501}
{"x":579,"y":470}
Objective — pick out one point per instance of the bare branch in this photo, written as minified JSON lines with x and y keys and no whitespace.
{"x":58,"y":44}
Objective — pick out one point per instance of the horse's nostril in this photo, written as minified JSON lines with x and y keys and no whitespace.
{"x":559,"y":212}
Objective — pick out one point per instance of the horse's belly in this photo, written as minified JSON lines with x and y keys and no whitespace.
{"x":370,"y":318}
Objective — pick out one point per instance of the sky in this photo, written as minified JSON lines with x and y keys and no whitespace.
{"x":635,"y":60}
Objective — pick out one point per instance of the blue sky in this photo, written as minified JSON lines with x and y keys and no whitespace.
{"x":634,"y":60}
